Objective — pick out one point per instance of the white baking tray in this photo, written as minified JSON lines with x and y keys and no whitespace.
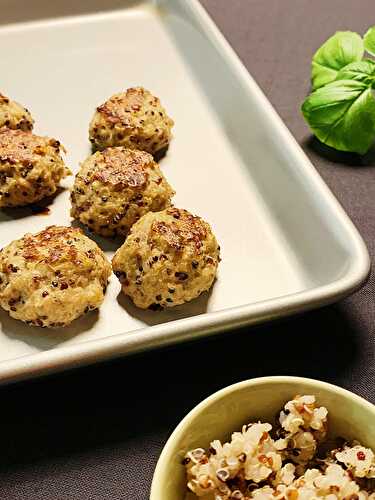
{"x":287,"y":245}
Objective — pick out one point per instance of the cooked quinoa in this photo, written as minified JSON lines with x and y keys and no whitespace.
{"x":282,"y":466}
{"x":134,"y":119}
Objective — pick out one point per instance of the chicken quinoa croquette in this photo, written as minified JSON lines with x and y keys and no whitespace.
{"x":51,"y":278}
{"x":14,"y":116}
{"x":169,"y":258}
{"x":31,"y":167}
{"x":134,"y":119}
{"x":115,"y":187}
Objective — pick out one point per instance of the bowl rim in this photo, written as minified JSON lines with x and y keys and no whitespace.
{"x":221,"y":393}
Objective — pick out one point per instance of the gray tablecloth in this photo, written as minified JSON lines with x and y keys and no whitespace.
{"x":96,"y":433}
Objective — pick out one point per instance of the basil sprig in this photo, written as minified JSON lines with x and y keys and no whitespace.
{"x":341,"y":109}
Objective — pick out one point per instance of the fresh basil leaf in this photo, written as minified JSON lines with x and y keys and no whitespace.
{"x":342,"y":115}
{"x":369,"y":41}
{"x":342,"y":48}
{"x":361,"y":71}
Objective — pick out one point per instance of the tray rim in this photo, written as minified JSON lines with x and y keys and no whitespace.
{"x":91,"y":351}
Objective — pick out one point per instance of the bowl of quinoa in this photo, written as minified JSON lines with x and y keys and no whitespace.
{"x":272,"y":438}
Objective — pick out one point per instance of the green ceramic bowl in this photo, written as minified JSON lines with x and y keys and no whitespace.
{"x":262,"y":398}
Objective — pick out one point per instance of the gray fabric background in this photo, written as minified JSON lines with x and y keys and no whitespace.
{"x":96,"y":433}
